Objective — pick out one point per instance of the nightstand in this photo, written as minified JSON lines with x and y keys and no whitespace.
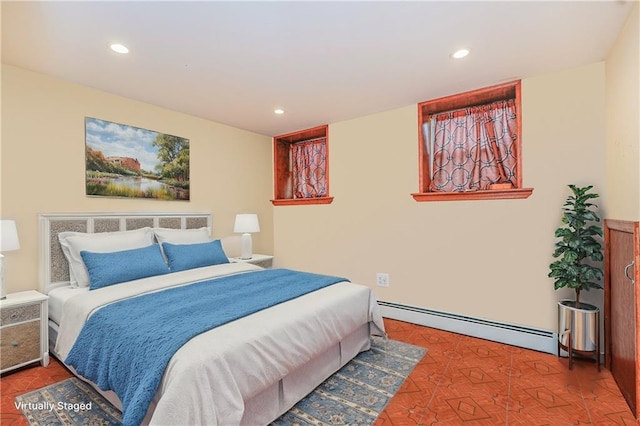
{"x":23,"y":330}
{"x":263,"y":260}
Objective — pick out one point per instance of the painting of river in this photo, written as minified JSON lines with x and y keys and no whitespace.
{"x":127,"y":161}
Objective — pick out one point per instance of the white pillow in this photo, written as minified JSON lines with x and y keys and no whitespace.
{"x":73,"y":243}
{"x":182,"y":236}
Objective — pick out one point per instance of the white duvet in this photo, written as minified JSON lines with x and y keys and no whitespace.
{"x":208,"y":380}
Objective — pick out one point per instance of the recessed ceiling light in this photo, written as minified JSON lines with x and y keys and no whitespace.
{"x":120,"y":48}
{"x":460,"y":53}
{"x":278,"y":111}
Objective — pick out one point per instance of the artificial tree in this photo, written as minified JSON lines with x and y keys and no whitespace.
{"x":578,"y":251}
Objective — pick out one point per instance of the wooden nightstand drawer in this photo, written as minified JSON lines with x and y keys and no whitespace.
{"x":20,"y":314}
{"x":19,"y":344}
{"x":24,"y":337}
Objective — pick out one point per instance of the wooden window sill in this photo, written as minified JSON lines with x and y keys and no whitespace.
{"x":495,"y":194}
{"x":301,"y":201}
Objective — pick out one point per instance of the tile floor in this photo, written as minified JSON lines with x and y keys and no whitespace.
{"x":468,"y":381}
{"x":460,"y":381}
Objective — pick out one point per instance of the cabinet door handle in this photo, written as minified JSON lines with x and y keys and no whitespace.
{"x":15,"y":344}
{"x":626,"y":272}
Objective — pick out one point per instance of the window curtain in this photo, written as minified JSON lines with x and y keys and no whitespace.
{"x":473,"y":147}
{"x":309,"y":168}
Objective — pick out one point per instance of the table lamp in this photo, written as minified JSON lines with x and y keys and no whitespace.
{"x":8,"y":241}
{"x":246,"y":223}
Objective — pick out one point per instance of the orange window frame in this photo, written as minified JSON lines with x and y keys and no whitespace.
{"x":511,"y":90}
{"x":282,"y":173}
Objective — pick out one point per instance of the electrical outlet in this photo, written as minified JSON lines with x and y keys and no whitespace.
{"x":382,"y":280}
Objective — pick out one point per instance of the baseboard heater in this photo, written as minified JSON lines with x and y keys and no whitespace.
{"x":515,"y":335}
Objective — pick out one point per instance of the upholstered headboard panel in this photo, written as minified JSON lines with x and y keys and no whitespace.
{"x":54,"y":269}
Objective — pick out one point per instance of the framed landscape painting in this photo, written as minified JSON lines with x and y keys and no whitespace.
{"x":126,"y":161}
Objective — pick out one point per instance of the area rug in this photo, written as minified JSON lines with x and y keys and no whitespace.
{"x":358,"y":392}
{"x":69,"y":402}
{"x":355,"y":395}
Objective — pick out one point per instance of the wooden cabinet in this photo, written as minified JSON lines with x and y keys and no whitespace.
{"x":622,"y":307}
{"x":23,"y":330}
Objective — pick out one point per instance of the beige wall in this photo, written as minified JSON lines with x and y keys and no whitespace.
{"x":485,"y":259}
{"x":623,"y":128}
{"x":42,"y":163}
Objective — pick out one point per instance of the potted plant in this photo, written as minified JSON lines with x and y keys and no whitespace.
{"x":579,"y":267}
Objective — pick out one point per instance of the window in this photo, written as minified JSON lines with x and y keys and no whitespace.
{"x":301,"y":167}
{"x":470,"y":146}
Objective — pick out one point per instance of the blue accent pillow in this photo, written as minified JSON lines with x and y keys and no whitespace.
{"x":120,"y":266}
{"x":188,"y":256}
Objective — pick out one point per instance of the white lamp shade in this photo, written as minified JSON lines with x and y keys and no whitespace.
{"x":8,"y":236}
{"x":8,"y":241}
{"x":246,"y":223}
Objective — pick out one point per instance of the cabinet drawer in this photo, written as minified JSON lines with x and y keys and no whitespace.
{"x":19,"y":343}
{"x":20,"y":314}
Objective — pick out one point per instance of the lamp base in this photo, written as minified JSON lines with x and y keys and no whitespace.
{"x":247,"y":247}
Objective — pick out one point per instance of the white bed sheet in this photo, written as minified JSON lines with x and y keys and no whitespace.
{"x":58,"y":297}
{"x":209,"y":379}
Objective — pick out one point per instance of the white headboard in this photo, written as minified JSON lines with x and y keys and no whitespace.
{"x":54,"y":269}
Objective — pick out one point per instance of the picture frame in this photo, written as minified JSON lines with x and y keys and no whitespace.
{"x":131,"y":162}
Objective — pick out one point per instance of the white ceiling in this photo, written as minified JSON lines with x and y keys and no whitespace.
{"x":322,"y":62}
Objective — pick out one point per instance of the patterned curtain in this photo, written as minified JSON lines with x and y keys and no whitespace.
{"x":309,"y":168}
{"x":473,"y":148}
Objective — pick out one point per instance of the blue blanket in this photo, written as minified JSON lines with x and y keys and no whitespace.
{"x":126,"y":346}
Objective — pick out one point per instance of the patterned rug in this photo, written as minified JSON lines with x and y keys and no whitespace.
{"x":355,"y":395}
{"x":69,"y":402}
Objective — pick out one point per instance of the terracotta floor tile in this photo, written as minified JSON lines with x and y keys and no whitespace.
{"x":439,"y":339}
{"x":612,"y":407}
{"x":552,"y":418}
{"x":480,"y":376}
{"x":499,"y":366}
{"x":402,"y":417}
{"x":457,"y":409}
{"x":483,"y":349}
{"x":621,"y":418}
{"x":601,"y":386}
{"x":507,"y":385}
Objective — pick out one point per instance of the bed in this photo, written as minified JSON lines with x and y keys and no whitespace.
{"x":247,"y":370}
